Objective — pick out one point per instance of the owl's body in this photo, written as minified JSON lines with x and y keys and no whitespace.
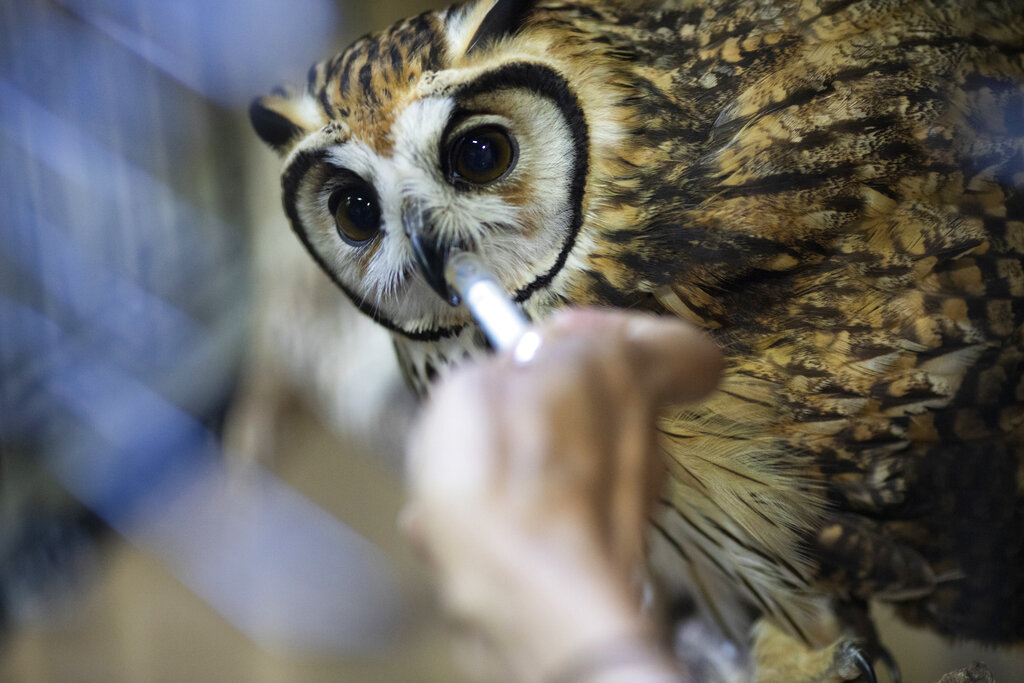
{"x":834,"y":189}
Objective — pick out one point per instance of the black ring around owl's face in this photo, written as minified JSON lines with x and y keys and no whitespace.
{"x":499,"y":162}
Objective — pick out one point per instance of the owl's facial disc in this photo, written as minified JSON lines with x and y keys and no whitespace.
{"x":479,"y":157}
{"x":493,"y":162}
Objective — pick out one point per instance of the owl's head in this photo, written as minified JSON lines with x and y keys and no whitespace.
{"x":460,"y":129}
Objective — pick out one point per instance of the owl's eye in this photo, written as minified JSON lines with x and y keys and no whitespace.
{"x":482,"y":155}
{"x":356,"y":212}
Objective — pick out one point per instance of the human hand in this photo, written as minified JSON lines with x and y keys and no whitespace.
{"x":530,"y":485}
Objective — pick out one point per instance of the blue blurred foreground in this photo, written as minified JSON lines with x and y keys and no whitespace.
{"x":123,"y":312}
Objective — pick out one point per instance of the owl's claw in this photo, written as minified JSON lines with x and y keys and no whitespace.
{"x":780,"y":658}
{"x":867,"y":672}
{"x":890,"y":664}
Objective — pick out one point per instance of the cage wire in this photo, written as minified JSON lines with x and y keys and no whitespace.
{"x":124,"y":301}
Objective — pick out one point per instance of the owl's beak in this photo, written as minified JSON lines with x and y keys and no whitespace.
{"x":431,"y":257}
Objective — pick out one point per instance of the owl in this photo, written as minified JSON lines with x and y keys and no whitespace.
{"x":833,"y":189}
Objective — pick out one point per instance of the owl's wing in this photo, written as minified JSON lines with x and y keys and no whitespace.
{"x":853,"y":232}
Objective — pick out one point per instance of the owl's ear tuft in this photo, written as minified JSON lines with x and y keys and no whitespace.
{"x":279,"y":119}
{"x":503,"y":19}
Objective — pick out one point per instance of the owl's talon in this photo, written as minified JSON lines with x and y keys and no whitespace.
{"x":867,"y":672}
{"x":890,"y":664}
{"x":781,"y":658}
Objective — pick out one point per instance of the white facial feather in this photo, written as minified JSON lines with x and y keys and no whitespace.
{"x":518,"y":225}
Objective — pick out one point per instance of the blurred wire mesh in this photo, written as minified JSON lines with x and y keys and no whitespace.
{"x":138,"y":314}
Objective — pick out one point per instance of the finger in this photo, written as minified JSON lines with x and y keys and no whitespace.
{"x":633,"y":465}
{"x":676,"y":361}
{"x":633,"y":364}
{"x":671,"y":360}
